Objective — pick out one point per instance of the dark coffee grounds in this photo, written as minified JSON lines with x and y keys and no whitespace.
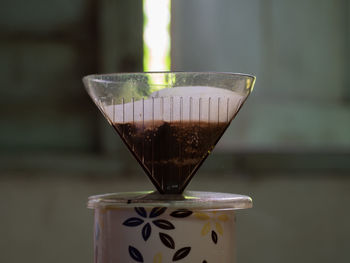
{"x":170,"y":153}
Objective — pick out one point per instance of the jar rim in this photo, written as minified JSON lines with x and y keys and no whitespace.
{"x":189,"y":199}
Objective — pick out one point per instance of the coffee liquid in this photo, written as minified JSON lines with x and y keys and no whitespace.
{"x":170,"y":152}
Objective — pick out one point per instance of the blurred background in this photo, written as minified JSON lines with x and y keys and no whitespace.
{"x":289,"y":148}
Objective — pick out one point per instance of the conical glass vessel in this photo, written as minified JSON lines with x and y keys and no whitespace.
{"x":170,"y":121}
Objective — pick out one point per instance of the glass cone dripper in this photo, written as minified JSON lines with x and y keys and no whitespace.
{"x":170,"y":121}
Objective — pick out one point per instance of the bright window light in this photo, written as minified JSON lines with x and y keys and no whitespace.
{"x":156,"y":35}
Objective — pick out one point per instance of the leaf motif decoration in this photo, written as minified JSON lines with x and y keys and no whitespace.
{"x":163,"y":224}
{"x":157,"y":211}
{"x":135,"y":254}
{"x":181,"y":253}
{"x":205,"y":229}
{"x":133,"y":221}
{"x":157,"y":258}
{"x":141,"y":211}
{"x":201,"y":216}
{"x":214,"y":237}
{"x":146,"y":231}
{"x":167,"y":240}
{"x":219,"y":228}
{"x":181,"y":213}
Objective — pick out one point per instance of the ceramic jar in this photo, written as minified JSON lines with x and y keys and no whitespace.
{"x":149,"y":227}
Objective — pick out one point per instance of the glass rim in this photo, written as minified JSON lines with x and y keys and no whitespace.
{"x":94,"y":77}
